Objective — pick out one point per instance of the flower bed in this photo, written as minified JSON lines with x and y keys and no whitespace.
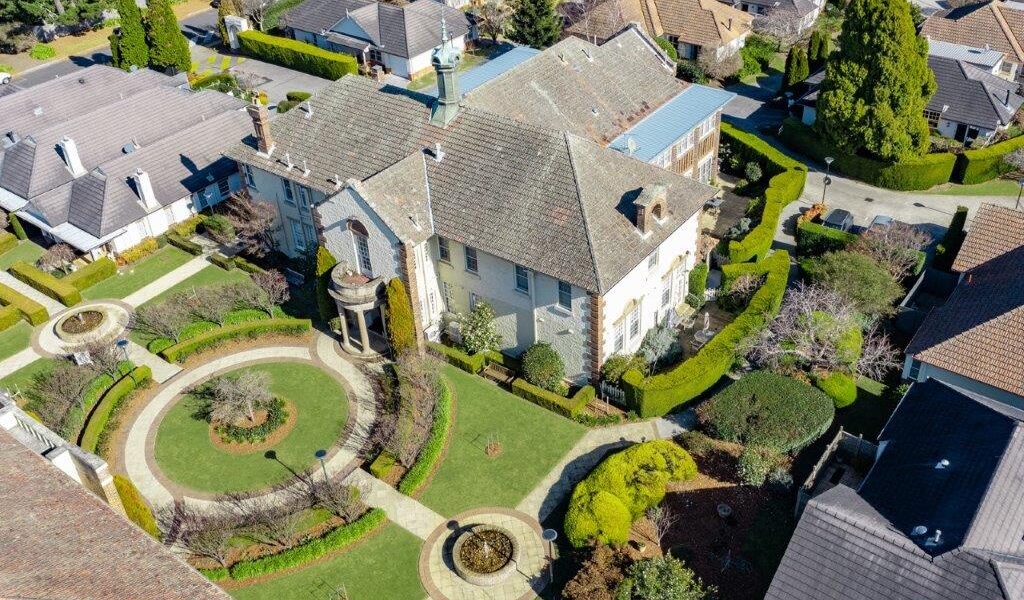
{"x":417,"y":475}
{"x":275,"y":417}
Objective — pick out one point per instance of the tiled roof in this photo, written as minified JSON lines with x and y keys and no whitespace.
{"x":400,"y":195}
{"x":596,"y":92}
{"x":473,"y":78}
{"x":994,"y":231}
{"x":967,"y":94}
{"x":853,"y":545}
{"x":604,"y":19}
{"x":995,"y":23}
{"x":61,"y":542}
{"x":703,"y":22}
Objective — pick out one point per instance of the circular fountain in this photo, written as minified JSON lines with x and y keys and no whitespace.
{"x":485,"y":555}
{"x":95,"y":323}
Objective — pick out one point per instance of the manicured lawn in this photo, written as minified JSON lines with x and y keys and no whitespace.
{"x":136,"y":276}
{"x":384,"y":566}
{"x":209,"y":276}
{"x":187,"y":456}
{"x":25,"y":250}
{"x":532,"y":440}
{"x":15,"y":339}
{"x":994,"y":187}
{"x":22,"y":378}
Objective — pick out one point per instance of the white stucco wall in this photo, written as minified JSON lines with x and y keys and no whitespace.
{"x":947,"y":128}
{"x":428,"y":289}
{"x":931,"y":371}
{"x":269,"y":188}
{"x":644,"y":285}
{"x":335,"y":214}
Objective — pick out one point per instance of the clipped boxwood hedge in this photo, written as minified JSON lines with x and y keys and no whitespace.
{"x":840,"y":387}
{"x":109,"y":401}
{"x":32,"y":311}
{"x":135,"y":506}
{"x":983,"y":164}
{"x":618,"y":491}
{"x":417,"y":475}
{"x":187,"y":245}
{"x":470,"y":363}
{"x":657,"y":395}
{"x":224,"y":262}
{"x":92,"y":273}
{"x":297,"y":55}
{"x":785,"y":184}
{"x":915,"y":174}
{"x":567,"y":407}
{"x":336,"y":539}
{"x":382,"y":465}
{"x":7,"y":241}
{"x":9,"y":317}
{"x":814,"y":239}
{"x":767,"y":410}
{"x":182,"y":350}
{"x":246,"y":266}
{"x":58,"y":289}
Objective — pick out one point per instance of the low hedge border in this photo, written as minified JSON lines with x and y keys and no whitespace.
{"x":92,"y":273}
{"x":430,"y":455}
{"x":182,"y":350}
{"x":32,"y":311}
{"x":657,"y":395}
{"x":222,"y":261}
{"x":920,"y":173}
{"x":96,"y":426}
{"x":135,"y":506}
{"x":336,"y":539}
{"x":814,"y":239}
{"x":297,"y":55}
{"x":7,"y":241}
{"x":470,"y":363}
{"x":187,"y":245}
{"x":59,"y":290}
{"x":983,"y":164}
{"x":9,"y":317}
{"x":246,"y":266}
{"x":567,"y":407}
{"x":785,"y":184}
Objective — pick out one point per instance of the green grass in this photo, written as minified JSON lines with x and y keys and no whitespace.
{"x":22,"y":378}
{"x":995,"y":187}
{"x":15,"y":339}
{"x":384,"y":566}
{"x":187,"y":457}
{"x":211,"y":275}
{"x":25,"y":250}
{"x":134,"y":277}
{"x":532,"y":439}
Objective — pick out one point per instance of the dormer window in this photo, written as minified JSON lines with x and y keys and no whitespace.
{"x":650,"y":207}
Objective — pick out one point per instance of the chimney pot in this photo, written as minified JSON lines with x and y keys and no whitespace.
{"x":438,"y":152}
{"x":72,"y":158}
{"x":261,"y":124}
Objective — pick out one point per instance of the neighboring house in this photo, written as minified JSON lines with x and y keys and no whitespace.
{"x":938,"y":516}
{"x":975,"y":341}
{"x":61,"y":541}
{"x":971,"y":104}
{"x":986,"y":59}
{"x":399,"y":38}
{"x":102,"y":159}
{"x":997,"y":24}
{"x":805,"y":104}
{"x":689,"y":24}
{"x":800,"y":14}
{"x":506,"y":200}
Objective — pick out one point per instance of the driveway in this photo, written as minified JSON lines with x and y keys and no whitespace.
{"x":749,"y":109}
{"x":276,"y":81}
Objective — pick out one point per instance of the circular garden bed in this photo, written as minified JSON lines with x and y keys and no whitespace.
{"x":309,"y":412}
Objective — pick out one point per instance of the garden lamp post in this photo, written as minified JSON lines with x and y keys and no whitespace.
{"x":123,"y":345}
{"x":1019,"y":190}
{"x":550,"y":535}
{"x":828,"y":180}
{"x":321,"y":454}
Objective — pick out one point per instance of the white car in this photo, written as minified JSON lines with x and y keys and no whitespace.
{"x":5,"y":78}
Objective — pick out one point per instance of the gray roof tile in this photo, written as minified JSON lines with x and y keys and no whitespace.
{"x":973,"y":96}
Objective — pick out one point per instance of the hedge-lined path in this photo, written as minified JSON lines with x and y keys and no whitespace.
{"x":155,"y":288}
{"x":589,"y":451}
{"x":52,"y":306}
{"x":18,"y":361}
{"x":402,"y":510}
{"x":137,"y":453}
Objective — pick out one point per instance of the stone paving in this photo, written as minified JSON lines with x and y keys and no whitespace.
{"x":402,"y":510}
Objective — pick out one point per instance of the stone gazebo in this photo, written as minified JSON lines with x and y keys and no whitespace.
{"x":359,"y":296}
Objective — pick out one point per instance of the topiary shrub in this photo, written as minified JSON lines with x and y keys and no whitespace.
{"x":92,"y":273}
{"x":617,"y":364}
{"x":135,"y":506}
{"x":839,"y":386}
{"x":753,"y":466}
{"x":401,"y":325}
{"x":767,"y":410}
{"x":699,"y":282}
{"x":543,"y":367}
{"x":814,"y":239}
{"x":325,"y":261}
{"x":615,"y":494}
{"x":949,"y":247}
{"x":858,"y":278}
{"x":16,"y":227}
{"x":668,"y":47}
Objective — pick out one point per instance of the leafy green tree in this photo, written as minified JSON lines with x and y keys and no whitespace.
{"x":797,"y":68}
{"x":401,"y":325}
{"x":535,"y":23}
{"x":663,"y":578}
{"x":129,"y":48}
{"x":877,"y":84}
{"x":478,"y":330}
{"x":325,"y":261}
{"x":168,"y":48}
{"x":818,"y":49}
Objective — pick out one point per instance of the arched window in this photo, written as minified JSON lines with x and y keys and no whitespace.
{"x":361,"y":239}
{"x":657,"y":210}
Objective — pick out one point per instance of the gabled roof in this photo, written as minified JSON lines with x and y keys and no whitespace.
{"x":60,"y":541}
{"x":967,"y":94}
{"x":700,"y":22}
{"x":994,"y":231}
{"x":596,"y":92}
{"x":401,"y":197}
{"x":406,"y":31}
{"x":997,"y":23}
{"x":982,"y":57}
{"x":861,"y":545}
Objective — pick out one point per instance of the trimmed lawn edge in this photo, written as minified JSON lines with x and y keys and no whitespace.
{"x":438,"y":434}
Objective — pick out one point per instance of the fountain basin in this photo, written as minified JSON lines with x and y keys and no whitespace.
{"x":95,"y":323}
{"x":485,"y":555}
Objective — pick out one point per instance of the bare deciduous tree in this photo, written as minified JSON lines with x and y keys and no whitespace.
{"x":54,"y":392}
{"x":165,"y":319}
{"x":491,"y":18}
{"x":595,"y":19}
{"x":719,"y":67}
{"x":105,"y":356}
{"x":894,"y":246}
{"x":342,"y":500}
{"x":213,"y":304}
{"x":263,"y":521}
{"x":780,"y":23}
{"x":255,"y":224}
{"x":268,"y":290}
{"x":232,"y":399}
{"x":57,"y":257}
{"x":662,"y":521}
{"x":256,"y":10}
{"x":813,"y":333}
{"x":1016,"y":158}
{"x":204,"y":535}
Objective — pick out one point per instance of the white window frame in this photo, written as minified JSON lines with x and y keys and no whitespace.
{"x":619,"y":342}
{"x":298,"y":238}
{"x":684,"y":144}
{"x":704,"y":169}
{"x":303,"y":198}
{"x":633,"y":322}
{"x":289,"y":191}
{"x":444,"y":250}
{"x":250,"y":177}
{"x":652,"y":261}
{"x":565,"y":295}
{"x":446,"y":295}
{"x":522,"y":278}
{"x":310,"y":232}
{"x":472,"y":257}
{"x":666,"y":292}
{"x":224,"y":188}
{"x":473,"y":299}
{"x":362,"y":249}
{"x":915,"y":369}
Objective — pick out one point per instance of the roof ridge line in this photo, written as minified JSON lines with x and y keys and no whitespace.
{"x":1007,"y":31}
{"x":583,"y":211}
{"x":988,"y":485}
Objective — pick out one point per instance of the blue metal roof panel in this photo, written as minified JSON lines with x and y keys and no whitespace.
{"x":481,"y":74}
{"x":660,"y":129}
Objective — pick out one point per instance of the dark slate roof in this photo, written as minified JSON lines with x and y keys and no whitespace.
{"x":971,"y":95}
{"x":596,"y":92}
{"x":852,"y":545}
{"x":60,"y":541}
{"x":406,"y":31}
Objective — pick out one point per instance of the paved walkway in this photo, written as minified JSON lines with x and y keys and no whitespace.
{"x":162,"y":370}
{"x":19,"y":360}
{"x":154,"y":289}
{"x":52,"y":306}
{"x":402,"y":510}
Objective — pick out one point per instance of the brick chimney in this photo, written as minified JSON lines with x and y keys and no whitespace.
{"x":650,"y":207}
{"x":261,"y":124}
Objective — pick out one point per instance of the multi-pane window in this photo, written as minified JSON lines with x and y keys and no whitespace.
{"x":522,"y":279}
{"x":683,"y":145}
{"x":250,"y":179}
{"x":704,"y":170}
{"x":706,"y":127}
{"x":664,"y":160}
{"x":915,"y":369}
{"x":444,"y":252}
{"x":304,"y":198}
{"x":446,"y":290}
{"x":298,"y":240}
{"x":933,"y":118}
{"x":224,"y":188}
{"x":310,"y":233}
{"x":620,"y":337}
{"x":289,"y":191}
{"x":634,"y":323}
{"x":565,"y":295}
{"x":471,"y":262}
{"x":363,"y":253}
{"x":666,"y":292}
{"x":652,"y":262}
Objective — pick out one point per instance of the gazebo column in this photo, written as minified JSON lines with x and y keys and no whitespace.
{"x":364,"y":336}
{"x":345,"y":343}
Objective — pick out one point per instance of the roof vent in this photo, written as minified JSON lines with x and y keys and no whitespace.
{"x":561,"y":57}
{"x":942,"y":464}
{"x":10,"y":138}
{"x":305,"y":169}
{"x":594,"y":111}
{"x":38,"y":111}
{"x":935,"y":540}
{"x":337,"y":182}
{"x":128,"y":148}
{"x":438,"y":152}
{"x":919,"y":531}
{"x":81,"y":80}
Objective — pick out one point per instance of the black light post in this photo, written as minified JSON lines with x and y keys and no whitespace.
{"x":321,"y":454}
{"x":827,"y":180}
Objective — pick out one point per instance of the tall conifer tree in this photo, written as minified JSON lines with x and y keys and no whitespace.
{"x":535,"y":23}
{"x":129,"y":48}
{"x":168,"y":48}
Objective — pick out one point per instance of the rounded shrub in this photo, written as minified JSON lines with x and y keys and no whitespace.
{"x":617,"y":364}
{"x":768,"y":411}
{"x":42,"y":52}
{"x":840,"y":387}
{"x":543,"y":367}
{"x":219,"y":227}
{"x":753,"y":466}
